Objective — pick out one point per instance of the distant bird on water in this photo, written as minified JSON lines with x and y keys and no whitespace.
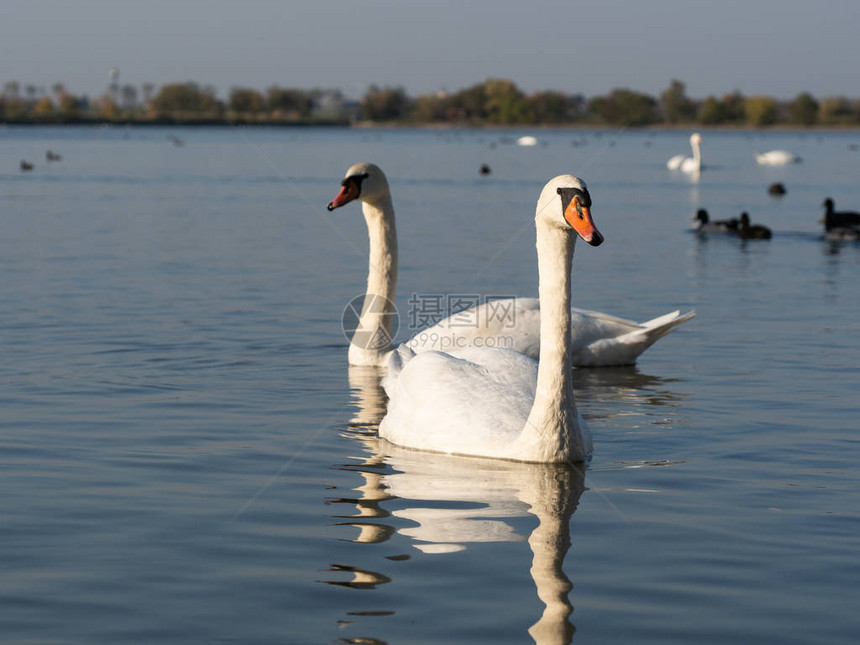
{"x":777,"y":189}
{"x":749,"y":231}
{"x":53,"y":156}
{"x":705,"y":225}
{"x":838,"y":219}
{"x":777,"y":158}
{"x":485,"y":169}
{"x":688,"y":164}
{"x":26,"y":165}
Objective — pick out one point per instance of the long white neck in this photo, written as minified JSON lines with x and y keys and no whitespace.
{"x":553,"y":429}
{"x":372,"y":341}
{"x":697,"y":153}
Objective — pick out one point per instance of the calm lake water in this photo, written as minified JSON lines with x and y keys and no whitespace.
{"x":185,"y":456}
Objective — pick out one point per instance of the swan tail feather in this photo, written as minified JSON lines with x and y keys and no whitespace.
{"x":625,"y":349}
{"x":658,"y":327}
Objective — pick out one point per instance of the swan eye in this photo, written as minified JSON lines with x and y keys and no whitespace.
{"x":355,"y":180}
{"x":582,"y":199}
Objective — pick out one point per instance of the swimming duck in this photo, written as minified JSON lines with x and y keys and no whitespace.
{"x":705,"y":225}
{"x":749,"y":231}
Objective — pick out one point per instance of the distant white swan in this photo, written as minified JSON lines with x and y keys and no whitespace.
{"x":598,"y":339}
{"x":527,"y":140}
{"x":777,"y":158}
{"x":688,"y":164}
{"x":492,"y":402}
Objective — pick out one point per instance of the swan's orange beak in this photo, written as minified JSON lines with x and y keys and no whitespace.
{"x":348,"y":193}
{"x":579,"y":217}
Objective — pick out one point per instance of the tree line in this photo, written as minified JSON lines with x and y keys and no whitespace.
{"x":492,"y":102}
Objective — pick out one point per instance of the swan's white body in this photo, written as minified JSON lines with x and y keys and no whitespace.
{"x":688,"y":164}
{"x":527,"y":140}
{"x":497,"y":403}
{"x":777,"y":158}
{"x":597,"y":339}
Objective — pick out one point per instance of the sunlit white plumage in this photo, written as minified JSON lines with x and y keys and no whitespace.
{"x":597,"y":339}
{"x":777,"y":158}
{"x":490,"y":402}
{"x":688,"y":164}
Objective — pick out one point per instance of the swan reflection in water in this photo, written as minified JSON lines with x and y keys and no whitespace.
{"x":483,"y":498}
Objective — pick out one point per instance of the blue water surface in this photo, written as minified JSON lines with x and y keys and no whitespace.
{"x":186,"y":457}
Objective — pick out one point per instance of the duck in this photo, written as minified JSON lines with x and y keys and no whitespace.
{"x":749,"y":231}
{"x":494,"y":402}
{"x":688,"y":164}
{"x":777,"y":158}
{"x":485,"y":169}
{"x":705,"y":225}
{"x":53,"y":156}
{"x":598,"y":339}
{"x":777,"y":189}
{"x":838,"y":219}
{"x":26,"y":165}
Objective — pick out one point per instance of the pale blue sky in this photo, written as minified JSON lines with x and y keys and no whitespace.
{"x":774,"y":47}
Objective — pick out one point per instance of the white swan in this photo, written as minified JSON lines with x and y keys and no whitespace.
{"x":688,"y":164}
{"x":598,"y":339}
{"x":491,"y":402}
{"x":777,"y":158}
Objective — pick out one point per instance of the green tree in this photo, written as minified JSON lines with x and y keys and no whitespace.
{"x":186,"y":98}
{"x":505,"y":102}
{"x":287,"y":101}
{"x":711,"y":112}
{"x":760,"y":110}
{"x":675,"y":105}
{"x":245,"y":100}
{"x":835,"y":110}
{"x":105,"y":107}
{"x":67,"y":104}
{"x":554,"y":107}
{"x":734,"y":107}
{"x":44,"y":107}
{"x":624,"y":107}
{"x":470,"y":103}
{"x":803,"y":110}
{"x":385,"y":104}
{"x":434,"y":108}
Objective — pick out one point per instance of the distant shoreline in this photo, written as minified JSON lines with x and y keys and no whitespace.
{"x":373,"y":125}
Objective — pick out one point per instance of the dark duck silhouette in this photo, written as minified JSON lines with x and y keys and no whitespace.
{"x":840,"y":225}
{"x":777,"y":189}
{"x":839,"y":219}
{"x":26,"y":165}
{"x":749,"y":231}
{"x":705,"y":225}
